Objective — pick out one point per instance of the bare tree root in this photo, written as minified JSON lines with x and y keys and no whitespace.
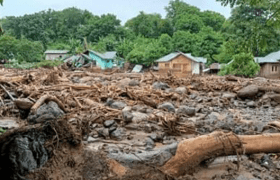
{"x":192,"y":152}
{"x":45,"y":98}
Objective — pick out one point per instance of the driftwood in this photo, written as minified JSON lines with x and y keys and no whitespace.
{"x":24,"y":104}
{"x":192,"y":152}
{"x":12,"y":98}
{"x":45,"y":98}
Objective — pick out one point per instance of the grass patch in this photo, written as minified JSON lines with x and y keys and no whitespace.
{"x":2,"y":131}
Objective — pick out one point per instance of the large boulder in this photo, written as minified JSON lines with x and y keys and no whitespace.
{"x":46,"y":112}
{"x":248,"y":92}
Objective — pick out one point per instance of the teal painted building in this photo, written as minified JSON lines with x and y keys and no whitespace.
{"x":105,"y":60}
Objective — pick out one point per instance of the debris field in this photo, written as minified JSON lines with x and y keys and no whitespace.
{"x":85,"y":125}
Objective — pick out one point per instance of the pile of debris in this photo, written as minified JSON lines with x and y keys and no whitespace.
{"x":87,"y":125}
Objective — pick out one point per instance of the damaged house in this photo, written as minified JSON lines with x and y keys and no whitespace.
{"x":270,"y":65}
{"x":103,"y":60}
{"x":181,"y":64}
{"x":55,"y":54}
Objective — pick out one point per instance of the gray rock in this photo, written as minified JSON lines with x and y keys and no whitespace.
{"x":193,"y":96}
{"x":118,"y":134}
{"x":118,"y":105}
{"x":181,"y":90}
{"x":46,"y":112}
{"x":229,"y":95}
{"x":134,"y":83}
{"x":157,"y":157}
{"x":160,"y":85}
{"x":167,"y":106}
{"x":109,"y":102}
{"x":127,"y":116}
{"x":148,"y":128}
{"x":113,"y":128}
{"x":248,"y":92}
{"x":214,"y":116}
{"x":170,"y":90}
{"x":251,"y":104}
{"x":103,"y":132}
{"x":186,"y":111}
{"x":109,"y":123}
{"x":139,"y":117}
{"x":150,"y":144}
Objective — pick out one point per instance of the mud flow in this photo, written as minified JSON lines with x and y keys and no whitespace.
{"x":67,"y":124}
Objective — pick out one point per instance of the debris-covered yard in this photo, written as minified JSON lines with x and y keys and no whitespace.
{"x":60,"y":124}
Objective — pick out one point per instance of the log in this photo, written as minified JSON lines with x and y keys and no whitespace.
{"x":24,"y":104}
{"x":191,"y":152}
{"x":45,"y":98}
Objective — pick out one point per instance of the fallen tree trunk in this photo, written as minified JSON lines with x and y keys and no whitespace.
{"x":192,"y":152}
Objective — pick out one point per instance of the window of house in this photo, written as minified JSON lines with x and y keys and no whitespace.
{"x":166,"y":65}
{"x":274,"y":68}
{"x":177,"y":66}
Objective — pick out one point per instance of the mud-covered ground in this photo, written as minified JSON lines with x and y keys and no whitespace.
{"x":127,"y":126}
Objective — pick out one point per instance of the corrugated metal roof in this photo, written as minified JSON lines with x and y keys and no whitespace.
{"x":271,"y":58}
{"x":106,"y":55}
{"x":56,"y":52}
{"x":171,"y":56}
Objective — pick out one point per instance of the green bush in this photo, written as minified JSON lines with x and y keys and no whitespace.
{"x":48,"y":63}
{"x":243,"y":64}
{"x":25,"y":65}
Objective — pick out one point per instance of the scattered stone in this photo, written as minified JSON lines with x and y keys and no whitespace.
{"x":186,"y":111}
{"x":118,"y":105}
{"x":118,"y":134}
{"x":229,"y":95}
{"x":109,"y":102}
{"x":134,"y":83}
{"x":251,"y":104}
{"x":193,"y":96}
{"x":167,"y":106}
{"x":248,"y":92}
{"x":160,"y":85}
{"x":214,"y":116}
{"x":139,"y":117}
{"x":109,"y":123}
{"x":150,"y":144}
{"x":148,"y":128}
{"x":181,"y":90}
{"x":103,"y":132}
{"x":127,"y":116}
{"x":113,"y":128}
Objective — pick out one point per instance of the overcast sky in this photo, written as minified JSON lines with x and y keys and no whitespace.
{"x":124,"y":9}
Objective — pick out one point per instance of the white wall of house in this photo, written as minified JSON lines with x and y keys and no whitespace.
{"x":54,"y":56}
{"x":195,"y":68}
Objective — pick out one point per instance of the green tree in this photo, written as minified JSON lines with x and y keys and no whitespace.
{"x":1,"y":2}
{"x":213,"y":19}
{"x":8,"y":45}
{"x":149,"y":25}
{"x":184,"y":41}
{"x":29,"y":51}
{"x":243,"y":64}
{"x":188,"y":22}
{"x":179,"y":7}
{"x":208,"y":44}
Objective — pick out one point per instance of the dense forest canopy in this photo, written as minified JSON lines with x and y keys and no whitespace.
{"x":252,"y":28}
